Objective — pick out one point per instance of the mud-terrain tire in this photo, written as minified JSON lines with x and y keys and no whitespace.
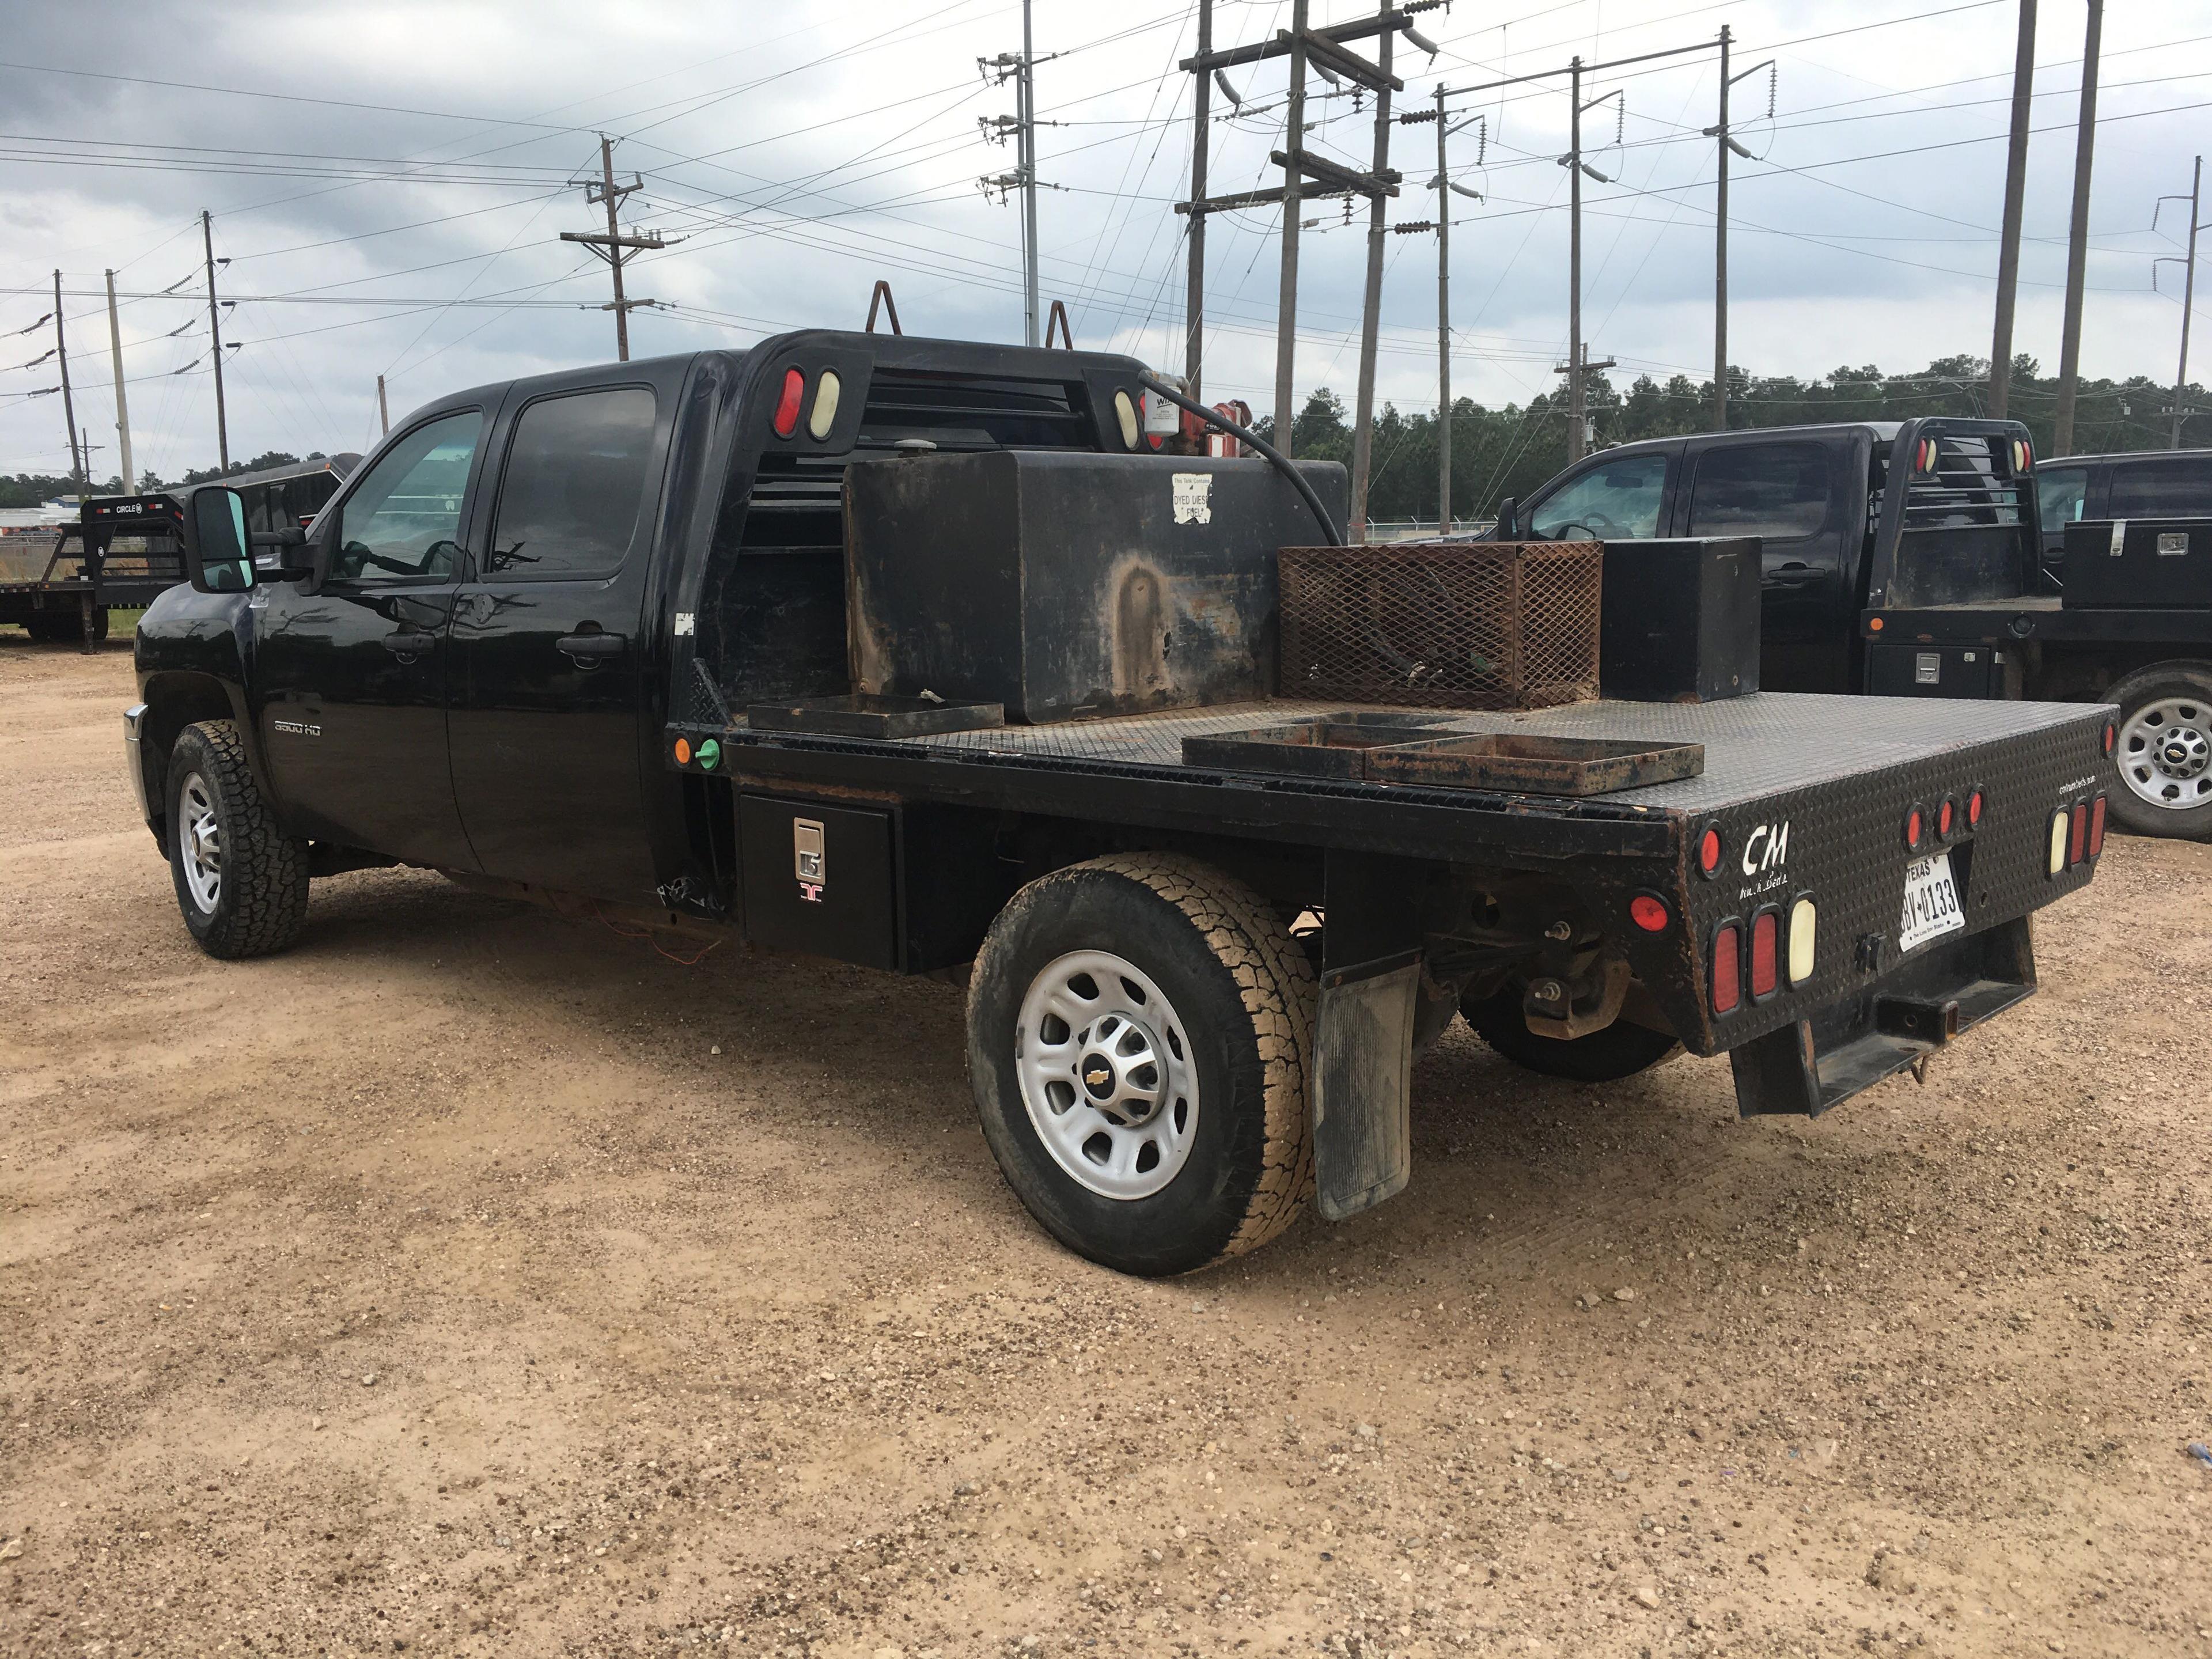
{"x":1137,"y":1001}
{"x":1619,"y":1050}
{"x":241,"y":883}
{"x":2164,"y":755}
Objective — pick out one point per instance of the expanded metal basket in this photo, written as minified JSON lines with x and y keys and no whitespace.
{"x":1443,"y":624}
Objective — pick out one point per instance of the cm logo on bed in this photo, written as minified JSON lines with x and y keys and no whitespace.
{"x":1766,"y":847}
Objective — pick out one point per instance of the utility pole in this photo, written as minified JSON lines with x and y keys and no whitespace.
{"x":1371,"y":314}
{"x":1728,"y":143}
{"x":610,"y":244}
{"x":1193,"y":303}
{"x":2077,"y":239}
{"x":1025,"y":99}
{"x":69,"y":408}
{"x":1286,"y":294}
{"x":2023,"y":100}
{"x":1578,"y":364}
{"x":215,"y":340}
{"x":1444,"y":326}
{"x":122,"y":402}
{"x":2187,"y":289}
{"x":383,"y":411}
{"x":1325,"y":47}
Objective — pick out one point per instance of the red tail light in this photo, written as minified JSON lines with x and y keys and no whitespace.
{"x":1727,"y":967}
{"x":1649,"y":912}
{"x":1974,"y":810}
{"x":1915,"y":830}
{"x":2097,"y":828}
{"x":786,"y":406}
{"x":1765,"y":954}
{"x":2111,"y":736}
{"x":1946,"y":816}
{"x":2077,"y":837}
{"x":1709,"y":852}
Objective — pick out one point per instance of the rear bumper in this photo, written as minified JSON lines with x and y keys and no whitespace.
{"x":1923,"y":1003}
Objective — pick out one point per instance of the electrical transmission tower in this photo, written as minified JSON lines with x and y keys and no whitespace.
{"x":613,"y":244}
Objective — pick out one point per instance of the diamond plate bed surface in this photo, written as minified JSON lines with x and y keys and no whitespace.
{"x":1755,"y":746}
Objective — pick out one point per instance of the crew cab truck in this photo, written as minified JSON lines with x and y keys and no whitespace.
{"x":1910,"y":559}
{"x":630,"y":637}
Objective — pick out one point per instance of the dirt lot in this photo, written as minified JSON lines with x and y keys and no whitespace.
{"x":467,"y":1280}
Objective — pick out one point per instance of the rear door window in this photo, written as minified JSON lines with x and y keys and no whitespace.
{"x":2172,"y":486}
{"x":575,"y":485}
{"x":2060,"y":492}
{"x":1614,"y":499}
{"x":1779,"y":491}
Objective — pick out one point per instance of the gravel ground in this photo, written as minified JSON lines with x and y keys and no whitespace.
{"x":467,"y":1280}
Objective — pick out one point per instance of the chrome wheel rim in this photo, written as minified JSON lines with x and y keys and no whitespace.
{"x":1106,"y":1075}
{"x":200,"y":841}
{"x":2166,"y":753}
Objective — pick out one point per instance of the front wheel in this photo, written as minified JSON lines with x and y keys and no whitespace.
{"x":241,"y":883}
{"x":2165,"y":750}
{"x":1619,"y":1050}
{"x":1139,"y":1039}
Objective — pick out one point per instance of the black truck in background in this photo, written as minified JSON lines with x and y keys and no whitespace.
{"x":1912,"y":559}
{"x":912,"y":654}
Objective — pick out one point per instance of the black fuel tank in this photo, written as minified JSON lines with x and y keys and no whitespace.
{"x":1071,"y":584}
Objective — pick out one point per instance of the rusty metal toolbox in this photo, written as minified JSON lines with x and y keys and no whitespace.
{"x":1390,"y":748}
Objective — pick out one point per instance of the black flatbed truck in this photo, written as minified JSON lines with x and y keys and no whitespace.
{"x":1194,"y":992}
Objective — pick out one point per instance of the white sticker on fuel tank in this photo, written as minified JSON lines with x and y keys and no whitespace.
{"x":1193,"y":502}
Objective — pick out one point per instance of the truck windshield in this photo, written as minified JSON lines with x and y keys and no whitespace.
{"x":1615,"y":499}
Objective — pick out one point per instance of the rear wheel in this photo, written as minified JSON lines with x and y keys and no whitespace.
{"x":241,"y":883}
{"x":1140,"y":1035}
{"x":1619,"y":1050}
{"x":2165,"y":750}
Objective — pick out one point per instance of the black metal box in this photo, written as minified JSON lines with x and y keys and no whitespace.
{"x":1066,"y":585}
{"x":1906,"y":670}
{"x":1681,"y":620}
{"x":2138,"y":564}
{"x":818,"y":879}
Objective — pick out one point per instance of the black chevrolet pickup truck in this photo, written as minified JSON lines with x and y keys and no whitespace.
{"x":915,"y":653}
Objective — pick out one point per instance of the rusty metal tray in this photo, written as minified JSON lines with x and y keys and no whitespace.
{"x":864,"y":715}
{"x":1332,"y":746}
{"x":1525,"y":763}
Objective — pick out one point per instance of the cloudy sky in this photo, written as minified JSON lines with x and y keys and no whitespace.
{"x":388,"y":181}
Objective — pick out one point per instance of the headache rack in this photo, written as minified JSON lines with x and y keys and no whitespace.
{"x":1963,"y":491}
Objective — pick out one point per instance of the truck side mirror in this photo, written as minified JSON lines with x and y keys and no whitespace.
{"x":217,"y":557}
{"x":1509,"y":522}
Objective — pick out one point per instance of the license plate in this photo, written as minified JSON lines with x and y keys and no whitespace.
{"x":1931,"y":902}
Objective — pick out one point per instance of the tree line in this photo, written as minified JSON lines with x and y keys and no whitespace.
{"x":1513,"y":449}
{"x":1510,"y":450}
{"x":36,"y":488}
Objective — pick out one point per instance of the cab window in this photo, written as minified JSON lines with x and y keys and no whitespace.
{"x":1779,"y":491}
{"x":1615,"y":499}
{"x":575,"y":485}
{"x":404,"y":523}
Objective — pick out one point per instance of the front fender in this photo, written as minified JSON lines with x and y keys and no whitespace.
{"x":192,"y":654}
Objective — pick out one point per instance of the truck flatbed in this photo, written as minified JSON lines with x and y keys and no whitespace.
{"x":2034,"y":616}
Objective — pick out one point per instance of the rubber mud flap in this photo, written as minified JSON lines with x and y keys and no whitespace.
{"x":1363,"y":1089}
